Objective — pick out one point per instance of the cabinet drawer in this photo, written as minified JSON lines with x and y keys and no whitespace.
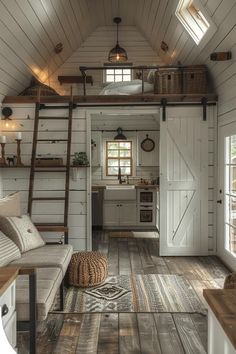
{"x":10,"y":330}
{"x":7,"y":301}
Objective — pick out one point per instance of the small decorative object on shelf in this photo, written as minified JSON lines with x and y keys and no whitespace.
{"x":3,"y":143}
{"x":80,"y":159}
{"x":18,"y":141}
{"x":11,"y":161}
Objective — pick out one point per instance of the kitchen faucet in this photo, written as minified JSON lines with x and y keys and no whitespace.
{"x":120,"y":176}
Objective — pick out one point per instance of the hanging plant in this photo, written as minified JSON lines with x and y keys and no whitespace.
{"x":80,"y":159}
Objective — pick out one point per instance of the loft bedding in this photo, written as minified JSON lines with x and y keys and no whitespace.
{"x":127,"y":88}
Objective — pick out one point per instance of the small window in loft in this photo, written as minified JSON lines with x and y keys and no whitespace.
{"x":190,"y":14}
{"x":117,"y":75}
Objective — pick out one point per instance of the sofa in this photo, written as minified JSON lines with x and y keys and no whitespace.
{"x":44,"y":265}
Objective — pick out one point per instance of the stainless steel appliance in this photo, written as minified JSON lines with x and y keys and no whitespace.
{"x":147,"y":207}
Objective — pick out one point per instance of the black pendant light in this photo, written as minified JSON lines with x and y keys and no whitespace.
{"x":117,"y":54}
{"x":120,"y":135}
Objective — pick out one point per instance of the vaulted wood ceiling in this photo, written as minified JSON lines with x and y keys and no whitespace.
{"x":30,"y":29}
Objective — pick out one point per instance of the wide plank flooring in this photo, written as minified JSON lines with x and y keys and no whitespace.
{"x":131,"y":333}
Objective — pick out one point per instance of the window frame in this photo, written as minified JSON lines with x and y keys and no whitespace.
{"x":119,"y":158}
{"x":192,"y":24}
{"x":118,"y":67}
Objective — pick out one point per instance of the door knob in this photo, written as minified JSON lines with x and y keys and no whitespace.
{"x":219,"y":201}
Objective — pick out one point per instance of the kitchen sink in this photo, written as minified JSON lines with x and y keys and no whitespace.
{"x":120,"y":192}
{"x":120,"y":186}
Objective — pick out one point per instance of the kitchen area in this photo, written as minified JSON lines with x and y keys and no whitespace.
{"x":125,"y":171}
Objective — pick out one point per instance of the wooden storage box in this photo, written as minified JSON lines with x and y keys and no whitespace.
{"x":53,"y":161}
{"x":195,"y":79}
{"x":168,"y":81}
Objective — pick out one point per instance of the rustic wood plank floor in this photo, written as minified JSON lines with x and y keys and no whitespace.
{"x":131,"y":333}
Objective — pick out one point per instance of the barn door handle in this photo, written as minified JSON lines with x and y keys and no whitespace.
{"x":219,"y":201}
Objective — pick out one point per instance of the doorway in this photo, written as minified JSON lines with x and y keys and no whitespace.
{"x":131,"y":211}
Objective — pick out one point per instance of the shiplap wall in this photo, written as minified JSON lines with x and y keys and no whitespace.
{"x":50,"y":184}
{"x":94,"y":52}
{"x":29,"y":31}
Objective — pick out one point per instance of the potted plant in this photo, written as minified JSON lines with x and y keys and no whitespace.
{"x":80,"y":159}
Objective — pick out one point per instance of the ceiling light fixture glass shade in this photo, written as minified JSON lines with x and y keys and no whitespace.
{"x":120,"y":135}
{"x":117,"y":54}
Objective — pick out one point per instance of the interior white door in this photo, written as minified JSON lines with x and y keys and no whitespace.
{"x":184,"y":182}
{"x":226,"y":228}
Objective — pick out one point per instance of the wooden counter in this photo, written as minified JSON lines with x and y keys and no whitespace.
{"x":7,"y":276}
{"x":222,"y":303}
{"x":137,"y":186}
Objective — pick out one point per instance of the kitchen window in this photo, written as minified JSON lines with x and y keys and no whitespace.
{"x":119,"y":155}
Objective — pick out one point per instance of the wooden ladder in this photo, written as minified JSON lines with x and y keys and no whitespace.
{"x":51,"y":227}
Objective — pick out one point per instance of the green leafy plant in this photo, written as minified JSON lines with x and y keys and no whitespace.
{"x":80,"y":159}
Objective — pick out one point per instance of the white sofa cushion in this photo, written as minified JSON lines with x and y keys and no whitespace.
{"x":22,"y":231}
{"x":8,"y":250}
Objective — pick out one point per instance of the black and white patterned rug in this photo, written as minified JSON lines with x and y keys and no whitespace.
{"x":136,"y":293}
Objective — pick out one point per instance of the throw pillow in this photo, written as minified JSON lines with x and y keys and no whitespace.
{"x":22,"y":231}
{"x":151,"y":76}
{"x":8,"y":250}
{"x":10,"y":205}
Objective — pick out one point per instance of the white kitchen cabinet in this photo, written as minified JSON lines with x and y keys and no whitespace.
{"x":119,"y":213}
{"x":145,"y":159}
{"x":128,"y":214}
{"x":96,"y":148}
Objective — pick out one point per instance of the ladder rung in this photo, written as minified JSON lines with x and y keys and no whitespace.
{"x":51,"y":228}
{"x":56,"y":118}
{"x":48,"y":198}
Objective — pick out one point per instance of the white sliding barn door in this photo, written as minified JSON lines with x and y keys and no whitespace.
{"x":183,"y":182}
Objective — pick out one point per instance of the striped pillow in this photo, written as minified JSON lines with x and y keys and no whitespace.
{"x":22,"y":231}
{"x":8,"y":250}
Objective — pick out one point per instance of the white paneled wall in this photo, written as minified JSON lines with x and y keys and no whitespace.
{"x":94,"y":52}
{"x":50,"y":184}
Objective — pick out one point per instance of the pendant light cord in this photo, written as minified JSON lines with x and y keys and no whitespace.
{"x":117,"y":38}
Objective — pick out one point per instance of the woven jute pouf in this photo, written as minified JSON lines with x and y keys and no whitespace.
{"x":87,"y":269}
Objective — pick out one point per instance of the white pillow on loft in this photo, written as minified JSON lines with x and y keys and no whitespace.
{"x":151,"y":76}
{"x":10,"y":205}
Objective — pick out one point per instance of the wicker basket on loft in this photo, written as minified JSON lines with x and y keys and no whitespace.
{"x":168,"y":81}
{"x":187,"y":80}
{"x":34,"y":88}
{"x":195,"y":79}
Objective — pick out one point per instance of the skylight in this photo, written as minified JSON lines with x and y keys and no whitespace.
{"x":190,"y":14}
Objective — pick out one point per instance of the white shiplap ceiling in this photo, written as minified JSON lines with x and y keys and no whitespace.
{"x":30,"y":29}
